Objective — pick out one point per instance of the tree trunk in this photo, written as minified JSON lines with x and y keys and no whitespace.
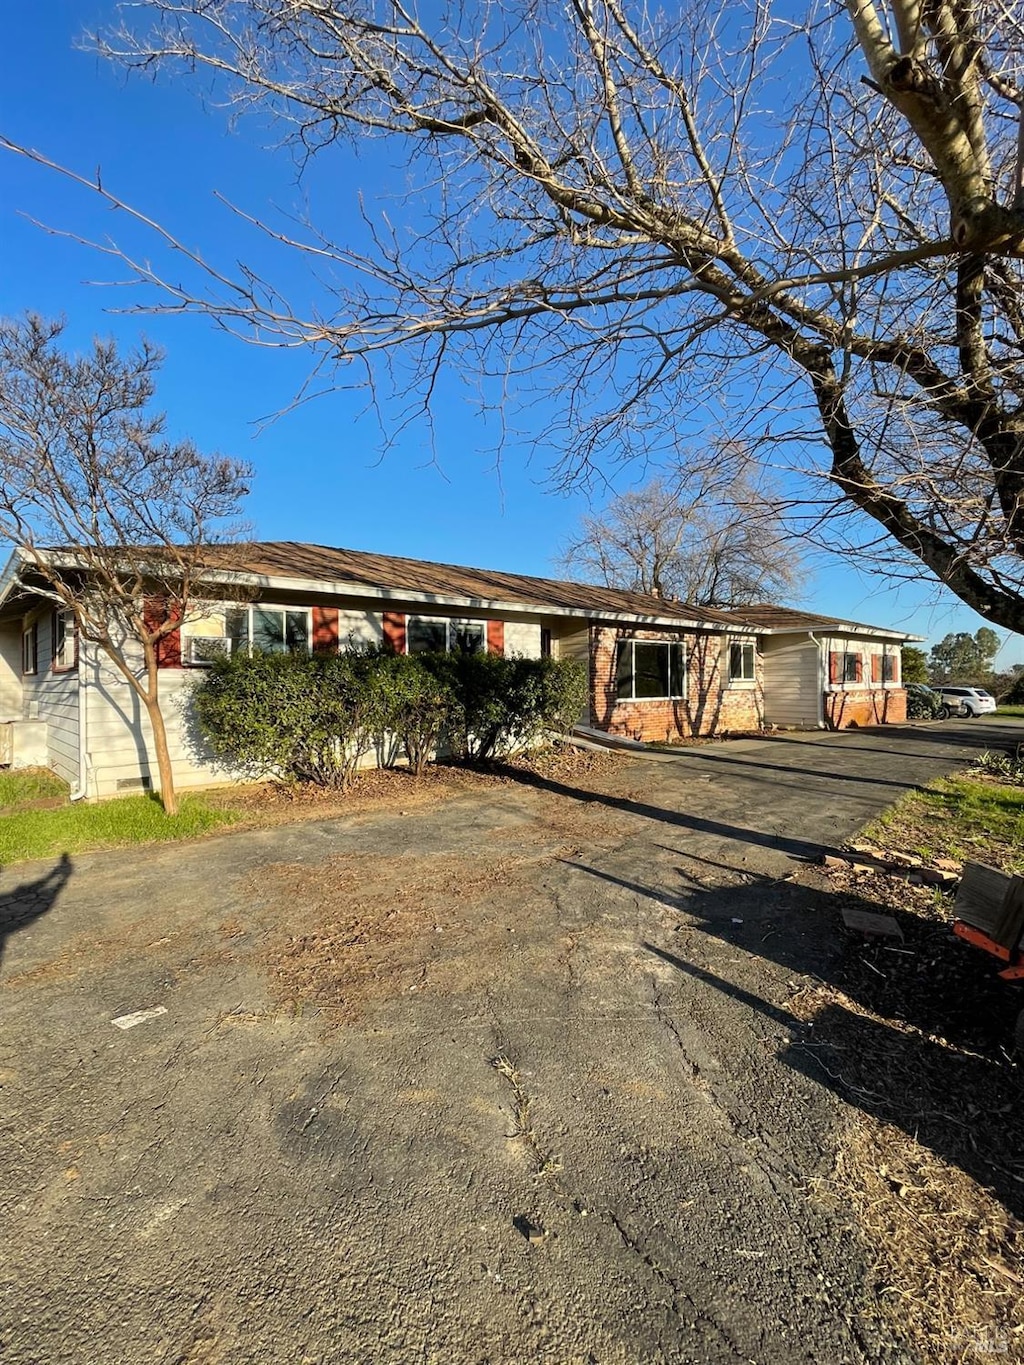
{"x":168,"y":796}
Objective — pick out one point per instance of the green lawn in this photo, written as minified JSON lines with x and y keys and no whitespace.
{"x":29,"y":784}
{"x":958,"y":817}
{"x":107,"y":824}
{"x":1010,"y":710}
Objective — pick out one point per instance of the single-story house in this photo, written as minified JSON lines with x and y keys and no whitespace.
{"x":659,"y":669}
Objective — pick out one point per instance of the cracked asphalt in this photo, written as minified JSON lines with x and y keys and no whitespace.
{"x":507,"y":1078}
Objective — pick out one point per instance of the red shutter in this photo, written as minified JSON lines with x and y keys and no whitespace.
{"x":833,"y":667}
{"x":394,"y":631}
{"x":858,"y":668}
{"x":325,"y":630}
{"x":895,"y":657}
{"x":496,"y":637}
{"x":876,"y":668}
{"x":168,"y":647}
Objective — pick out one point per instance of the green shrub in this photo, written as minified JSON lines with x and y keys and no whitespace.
{"x":410,"y":707}
{"x":307,"y":719}
{"x":311,"y":719}
{"x":503,"y":705}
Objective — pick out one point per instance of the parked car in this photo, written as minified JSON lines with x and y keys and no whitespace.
{"x":966,"y":701}
{"x":923,"y":703}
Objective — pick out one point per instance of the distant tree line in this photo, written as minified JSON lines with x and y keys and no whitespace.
{"x":960,"y":658}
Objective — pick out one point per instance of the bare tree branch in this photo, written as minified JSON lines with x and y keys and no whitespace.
{"x":114,"y":523}
{"x":607,"y":210}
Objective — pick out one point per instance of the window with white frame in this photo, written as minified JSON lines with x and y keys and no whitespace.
{"x":650,"y":670}
{"x":742,"y":661}
{"x":271,"y":630}
{"x":444,"y":635}
{"x":65,"y":654}
{"x":889,"y":673}
{"x":30,"y":648}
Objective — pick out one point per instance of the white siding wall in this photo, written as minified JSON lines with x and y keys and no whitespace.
{"x":119,"y":739}
{"x":792,"y":683}
{"x":359,"y":628}
{"x":523,"y":637}
{"x":53,"y":697}
{"x":10,"y":672}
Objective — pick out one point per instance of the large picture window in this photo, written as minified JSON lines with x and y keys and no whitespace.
{"x":444,"y":635}
{"x":272,"y":630}
{"x":650,"y":670}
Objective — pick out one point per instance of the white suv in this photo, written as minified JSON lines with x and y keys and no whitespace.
{"x":965,"y":701}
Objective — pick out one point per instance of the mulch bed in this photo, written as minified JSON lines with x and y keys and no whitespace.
{"x":918,"y":1035}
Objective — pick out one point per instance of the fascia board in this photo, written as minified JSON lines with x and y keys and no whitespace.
{"x":10,"y":574}
{"x":841,"y":629}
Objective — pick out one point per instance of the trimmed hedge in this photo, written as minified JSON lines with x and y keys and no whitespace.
{"x":313,"y":718}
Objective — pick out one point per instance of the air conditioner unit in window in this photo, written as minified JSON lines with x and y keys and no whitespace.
{"x":201,"y":650}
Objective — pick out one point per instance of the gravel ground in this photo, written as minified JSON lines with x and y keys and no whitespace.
{"x":508,"y":1077}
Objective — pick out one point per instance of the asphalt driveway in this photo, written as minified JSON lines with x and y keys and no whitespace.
{"x":511,"y":1078}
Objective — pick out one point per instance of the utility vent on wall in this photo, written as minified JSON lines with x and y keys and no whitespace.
{"x":134,"y":784}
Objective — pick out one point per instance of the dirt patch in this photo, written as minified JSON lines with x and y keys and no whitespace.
{"x":352,"y":941}
{"x":377,"y":790}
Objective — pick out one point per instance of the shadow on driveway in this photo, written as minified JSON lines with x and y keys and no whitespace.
{"x":932,"y":1053}
{"x":31,"y":900}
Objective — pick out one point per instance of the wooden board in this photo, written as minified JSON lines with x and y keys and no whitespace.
{"x":873,"y":925}
{"x":993,"y":902}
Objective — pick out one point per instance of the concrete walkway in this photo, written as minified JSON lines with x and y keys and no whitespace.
{"x":508,"y":1079}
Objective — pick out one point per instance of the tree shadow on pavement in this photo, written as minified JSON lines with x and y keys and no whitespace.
{"x":918,"y":1034}
{"x":31,"y":900}
{"x":797,"y":848}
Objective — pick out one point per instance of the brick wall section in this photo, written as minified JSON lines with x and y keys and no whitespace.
{"x":865,"y":706}
{"x":707,"y":709}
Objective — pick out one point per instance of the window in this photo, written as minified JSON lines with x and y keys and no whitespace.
{"x":30,"y":648}
{"x":272,"y":630}
{"x":741,"y":661}
{"x":426,"y":634}
{"x":649,"y":670}
{"x":844,"y":667}
{"x":889,"y":667}
{"x":64,"y":641}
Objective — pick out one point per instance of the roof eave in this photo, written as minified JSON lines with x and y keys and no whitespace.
{"x":837,"y":628}
{"x":11,"y":574}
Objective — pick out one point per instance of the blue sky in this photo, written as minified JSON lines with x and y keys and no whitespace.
{"x":320,"y":475}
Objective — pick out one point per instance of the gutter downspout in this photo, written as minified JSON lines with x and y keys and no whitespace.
{"x":82,"y":788}
{"x":821,"y":683}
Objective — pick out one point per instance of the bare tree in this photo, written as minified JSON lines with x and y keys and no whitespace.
{"x":710,"y":542}
{"x":116,"y":524}
{"x":601,"y":201}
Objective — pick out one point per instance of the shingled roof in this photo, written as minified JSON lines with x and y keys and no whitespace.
{"x":393,"y":576}
{"x":778,"y":620}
